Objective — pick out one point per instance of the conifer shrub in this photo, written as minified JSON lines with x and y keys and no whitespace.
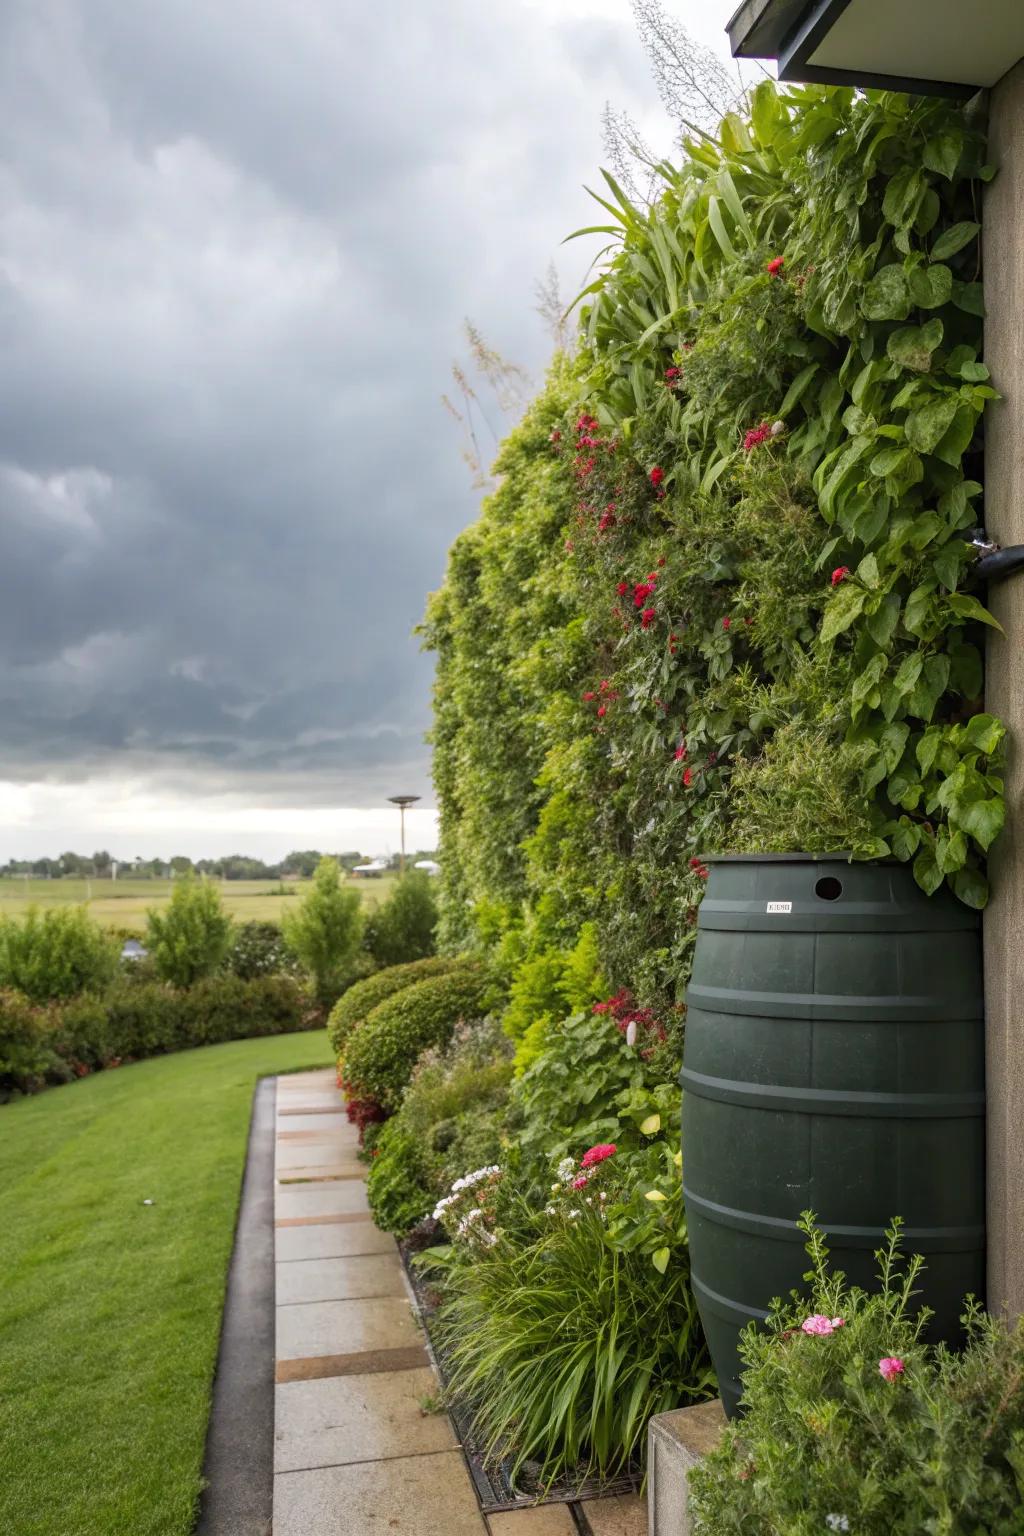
{"x":363,"y":996}
{"x":190,"y":938}
{"x":325,"y":933}
{"x":381,"y":1054}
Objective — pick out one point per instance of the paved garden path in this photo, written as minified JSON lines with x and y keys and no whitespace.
{"x":354,"y":1452}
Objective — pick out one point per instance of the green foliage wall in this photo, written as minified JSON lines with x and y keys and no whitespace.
{"x":723,"y":598}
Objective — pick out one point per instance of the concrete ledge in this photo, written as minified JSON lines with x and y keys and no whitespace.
{"x":675,"y":1443}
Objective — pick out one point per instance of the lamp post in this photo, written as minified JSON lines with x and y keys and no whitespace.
{"x":402,"y":801}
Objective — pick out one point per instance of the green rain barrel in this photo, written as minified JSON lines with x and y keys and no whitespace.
{"x":834,"y":1062}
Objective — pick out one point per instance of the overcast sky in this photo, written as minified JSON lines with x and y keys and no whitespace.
{"x":237,"y":243}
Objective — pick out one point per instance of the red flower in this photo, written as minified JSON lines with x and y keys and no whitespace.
{"x":672,"y":373}
{"x":556,"y":436}
{"x":840,"y":574}
{"x":581,"y":1182}
{"x":688,"y":777}
{"x":775,"y":266}
{"x":656,"y":476}
{"x":641,"y":592}
{"x":608,"y":520}
{"x":681,"y":753}
{"x":648,"y":617}
{"x":602,"y":711}
{"x":588,"y":696}
{"x":598,"y":1154}
{"x":727,"y":623}
{"x":756,"y":436}
{"x":622,"y":588}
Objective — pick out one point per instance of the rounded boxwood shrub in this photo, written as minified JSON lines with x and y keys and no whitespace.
{"x":381,"y":1054}
{"x":361,"y":998}
{"x":400,"y":1185}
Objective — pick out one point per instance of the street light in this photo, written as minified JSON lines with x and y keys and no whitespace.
{"x":402,"y":801}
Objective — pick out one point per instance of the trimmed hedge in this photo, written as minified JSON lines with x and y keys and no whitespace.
{"x":52,"y":1045}
{"x":361,"y":998}
{"x":382,"y":1053}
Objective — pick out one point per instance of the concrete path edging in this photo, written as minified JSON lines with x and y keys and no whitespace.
{"x":238,"y":1499}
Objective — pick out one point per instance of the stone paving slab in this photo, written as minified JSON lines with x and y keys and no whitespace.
{"x":545,"y":1520}
{"x":411,"y":1495}
{"x":344,"y":1327}
{"x":624,"y":1515}
{"x":327,"y":1149}
{"x":331,"y":1240}
{"x":356,"y":1418}
{"x":365,"y":1362}
{"x":340,"y":1279}
{"x":321,"y":1199}
{"x":319,"y":1173}
{"x":289,"y":1114}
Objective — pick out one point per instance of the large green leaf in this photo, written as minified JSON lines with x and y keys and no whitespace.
{"x":926,"y":426}
{"x":913,"y":346}
{"x":954,"y":239}
{"x":887,"y":295}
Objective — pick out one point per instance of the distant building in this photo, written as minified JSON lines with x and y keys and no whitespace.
{"x":371,"y":870}
{"x":133,"y":950}
{"x":431,"y":866}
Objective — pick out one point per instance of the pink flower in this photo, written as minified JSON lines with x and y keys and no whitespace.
{"x":727,"y":623}
{"x":817,"y":1324}
{"x":756,"y":436}
{"x":891,"y":1367}
{"x":840,"y":574}
{"x":580,"y":1182}
{"x":775,"y":266}
{"x":656,"y":476}
{"x":598,"y":1154}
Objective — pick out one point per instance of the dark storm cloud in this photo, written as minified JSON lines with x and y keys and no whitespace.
{"x":236,"y":245}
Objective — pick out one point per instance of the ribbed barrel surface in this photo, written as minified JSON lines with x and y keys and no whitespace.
{"x":834,"y":1062}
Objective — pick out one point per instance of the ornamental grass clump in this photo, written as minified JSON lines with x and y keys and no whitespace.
{"x":561,"y":1341}
{"x":852,"y":1422}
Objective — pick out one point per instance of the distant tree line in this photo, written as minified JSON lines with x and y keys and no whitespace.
{"x":300,"y":864}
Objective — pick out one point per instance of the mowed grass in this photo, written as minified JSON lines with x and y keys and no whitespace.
{"x":110,"y":1309}
{"x":123,"y":903}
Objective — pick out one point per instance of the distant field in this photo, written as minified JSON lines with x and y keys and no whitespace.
{"x":123,"y":903}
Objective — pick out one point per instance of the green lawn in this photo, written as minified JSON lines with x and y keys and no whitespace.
{"x":123,"y":903}
{"x":110,"y":1309}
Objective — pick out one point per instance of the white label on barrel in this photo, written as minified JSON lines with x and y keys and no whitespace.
{"x":780,"y":906}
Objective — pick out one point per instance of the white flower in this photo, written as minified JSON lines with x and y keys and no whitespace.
{"x":603,"y":1196}
{"x":551,"y":1210}
{"x":838,"y":1522}
{"x":631,"y":1032}
{"x":573,"y":1215}
{"x":590,"y":1199}
{"x":566,"y":1169}
{"x":778,"y":427}
{"x":555,"y":1188}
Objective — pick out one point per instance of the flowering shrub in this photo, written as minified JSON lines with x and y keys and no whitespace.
{"x":452,"y":1113}
{"x":258,"y":949}
{"x":852,"y":1423}
{"x":468,"y":1212}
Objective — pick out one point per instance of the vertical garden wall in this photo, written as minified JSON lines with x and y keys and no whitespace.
{"x":723,"y":598}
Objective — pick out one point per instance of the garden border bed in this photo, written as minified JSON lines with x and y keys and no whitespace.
{"x":492,"y":1480}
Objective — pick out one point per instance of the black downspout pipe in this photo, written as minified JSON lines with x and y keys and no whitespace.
{"x":1000,"y":563}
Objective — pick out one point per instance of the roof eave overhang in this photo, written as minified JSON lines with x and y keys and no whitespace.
{"x":790,"y":32}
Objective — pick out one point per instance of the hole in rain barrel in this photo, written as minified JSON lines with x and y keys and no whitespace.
{"x":834,"y":1062}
